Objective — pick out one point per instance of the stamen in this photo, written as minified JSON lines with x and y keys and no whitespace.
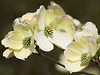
{"x":26,"y":42}
{"x":84,"y":56}
{"x":48,"y":30}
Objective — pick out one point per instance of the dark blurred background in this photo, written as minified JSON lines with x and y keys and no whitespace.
{"x":84,"y":10}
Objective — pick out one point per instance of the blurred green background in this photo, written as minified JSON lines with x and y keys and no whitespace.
{"x":84,"y":10}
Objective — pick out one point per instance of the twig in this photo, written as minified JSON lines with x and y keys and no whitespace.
{"x":96,"y":62}
{"x":41,"y":54}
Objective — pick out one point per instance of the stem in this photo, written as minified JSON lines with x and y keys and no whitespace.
{"x":49,"y":59}
{"x":41,"y":54}
{"x":86,"y":73}
{"x":96,"y":62}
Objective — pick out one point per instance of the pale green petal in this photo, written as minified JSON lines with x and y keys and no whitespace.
{"x":93,"y":46}
{"x":53,"y":11}
{"x":13,"y":40}
{"x":32,"y":45}
{"x":43,"y":42}
{"x":61,"y":39}
{"x":57,"y":7}
{"x":27,"y":16}
{"x":36,"y":35}
{"x":84,"y":41}
{"x":89,"y":29}
{"x":64,"y":24}
{"x":22,"y":29}
{"x":74,"y":66}
{"x":74,"y":51}
{"x":23,"y":53}
{"x":8,"y":53}
{"x":34,"y":21}
{"x":41,"y":17}
{"x":89,"y":44}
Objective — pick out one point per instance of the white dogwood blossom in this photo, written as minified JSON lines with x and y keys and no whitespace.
{"x":79,"y":53}
{"x":19,"y":42}
{"x":45,"y":35}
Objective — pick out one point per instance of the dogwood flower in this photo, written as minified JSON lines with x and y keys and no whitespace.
{"x":88,"y":29}
{"x":79,"y":53}
{"x":45,"y":35}
{"x":19,"y":42}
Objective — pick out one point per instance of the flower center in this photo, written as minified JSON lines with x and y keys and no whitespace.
{"x":48,"y":30}
{"x":26,"y":42}
{"x":84,"y":56}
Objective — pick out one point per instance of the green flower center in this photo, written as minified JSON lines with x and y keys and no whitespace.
{"x":26,"y":42}
{"x":84,"y":56}
{"x":48,"y":30}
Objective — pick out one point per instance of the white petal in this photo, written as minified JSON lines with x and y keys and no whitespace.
{"x":23,"y":53}
{"x":76,"y":22}
{"x":41,"y":17}
{"x":89,"y":29}
{"x":74,"y":67}
{"x":61,"y":39}
{"x":8,"y":53}
{"x":43,"y":42}
{"x":92,"y":28}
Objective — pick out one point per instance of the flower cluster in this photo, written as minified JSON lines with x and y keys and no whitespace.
{"x":46,"y":28}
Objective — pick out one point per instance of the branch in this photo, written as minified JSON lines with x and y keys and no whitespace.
{"x":41,"y":54}
{"x":97,"y":62}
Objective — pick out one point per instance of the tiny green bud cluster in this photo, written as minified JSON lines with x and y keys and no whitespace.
{"x":48,"y":30}
{"x":84,"y":56}
{"x":26,"y":42}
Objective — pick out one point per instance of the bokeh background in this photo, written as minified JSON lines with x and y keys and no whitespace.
{"x":84,"y":10}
